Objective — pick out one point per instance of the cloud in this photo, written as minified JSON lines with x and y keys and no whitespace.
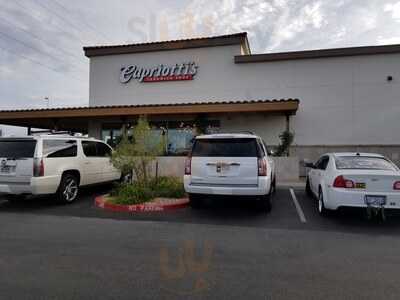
{"x":282,"y":25}
{"x":394,"y":9}
{"x":44,"y":57}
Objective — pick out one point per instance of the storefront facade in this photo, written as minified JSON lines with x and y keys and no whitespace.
{"x":192,"y":71}
{"x":333,"y":100}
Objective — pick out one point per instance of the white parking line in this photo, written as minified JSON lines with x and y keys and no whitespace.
{"x":298,"y":207}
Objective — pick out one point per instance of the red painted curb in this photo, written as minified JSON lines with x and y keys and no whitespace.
{"x":100,"y":202}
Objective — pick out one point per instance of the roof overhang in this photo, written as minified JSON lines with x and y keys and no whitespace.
{"x":222,"y":40}
{"x":77,"y":118}
{"x":313,"y":54}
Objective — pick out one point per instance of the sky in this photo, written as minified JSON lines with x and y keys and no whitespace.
{"x":41,"y":41}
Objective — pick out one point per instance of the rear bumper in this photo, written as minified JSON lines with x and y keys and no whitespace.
{"x":262,"y":188}
{"x":336,"y":198}
{"x":36,"y":186}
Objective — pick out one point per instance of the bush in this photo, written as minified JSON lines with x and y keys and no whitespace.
{"x":168,"y":187}
{"x":129,"y":194}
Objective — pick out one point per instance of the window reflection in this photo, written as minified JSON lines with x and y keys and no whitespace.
{"x":178,"y":135}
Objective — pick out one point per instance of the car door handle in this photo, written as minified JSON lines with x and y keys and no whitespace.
{"x":87,"y":163}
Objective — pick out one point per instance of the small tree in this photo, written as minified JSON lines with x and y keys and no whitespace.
{"x":287,"y":138}
{"x":136,"y":154}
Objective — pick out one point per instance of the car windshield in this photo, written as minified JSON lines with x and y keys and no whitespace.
{"x":243,"y":147}
{"x":363,"y":163}
{"x":12,"y":148}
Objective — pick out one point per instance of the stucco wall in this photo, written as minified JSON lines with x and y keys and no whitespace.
{"x":344,"y":101}
{"x":266,"y":126}
{"x":287,"y":168}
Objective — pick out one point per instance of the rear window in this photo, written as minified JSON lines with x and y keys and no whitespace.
{"x":17,"y":148}
{"x":363,"y":163}
{"x":225,"y":147}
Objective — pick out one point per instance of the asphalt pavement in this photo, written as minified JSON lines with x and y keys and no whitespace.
{"x":227,"y":250}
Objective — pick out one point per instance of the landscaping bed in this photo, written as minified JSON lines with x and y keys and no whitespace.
{"x":159,"y":194}
{"x":156,"y":205}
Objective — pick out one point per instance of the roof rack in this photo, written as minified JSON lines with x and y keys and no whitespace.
{"x":238,"y":132}
{"x":59,"y":133}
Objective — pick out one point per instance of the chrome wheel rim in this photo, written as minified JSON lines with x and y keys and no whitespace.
{"x":70,"y":190}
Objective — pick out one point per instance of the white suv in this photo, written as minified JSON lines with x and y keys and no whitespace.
{"x":51,"y":164}
{"x":230,"y":164}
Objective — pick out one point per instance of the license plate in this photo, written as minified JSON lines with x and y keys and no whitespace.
{"x":360,"y":185}
{"x":222,"y":168}
{"x":375,"y":200}
{"x":5,"y":169}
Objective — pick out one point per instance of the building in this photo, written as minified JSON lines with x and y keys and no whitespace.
{"x":333,"y":100}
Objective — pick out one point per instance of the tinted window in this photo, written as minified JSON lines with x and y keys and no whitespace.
{"x":103,"y":150}
{"x":322,"y":163}
{"x":89,"y":148}
{"x":225,"y":147}
{"x":12,"y":148}
{"x":364,"y":163}
{"x":261,"y":147}
{"x":60,"y":148}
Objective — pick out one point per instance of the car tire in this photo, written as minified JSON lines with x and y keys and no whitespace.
{"x":321,"y":204}
{"x":265,"y":203}
{"x":69,"y":189}
{"x":273,"y":189}
{"x":308,"y":188}
{"x":15,"y":199}
{"x":195,"y":201}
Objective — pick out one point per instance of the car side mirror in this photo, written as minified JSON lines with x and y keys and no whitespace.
{"x":309,"y":165}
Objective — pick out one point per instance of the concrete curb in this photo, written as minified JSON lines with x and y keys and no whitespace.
{"x":157,"y":205}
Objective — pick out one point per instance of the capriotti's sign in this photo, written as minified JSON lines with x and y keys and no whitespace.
{"x":183,"y":71}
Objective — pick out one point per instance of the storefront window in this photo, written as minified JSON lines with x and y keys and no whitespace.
{"x":178,"y":135}
{"x":179,"y":141}
{"x":111,"y":136}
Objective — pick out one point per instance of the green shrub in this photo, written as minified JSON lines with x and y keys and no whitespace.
{"x":129,"y":194}
{"x":168,"y":187}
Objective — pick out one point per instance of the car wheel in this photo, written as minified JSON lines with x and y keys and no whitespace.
{"x":265,"y":203}
{"x":15,"y":199}
{"x":321,"y":204}
{"x":308,"y":188}
{"x":273,"y":187}
{"x":195,"y":201}
{"x":68,"y":189}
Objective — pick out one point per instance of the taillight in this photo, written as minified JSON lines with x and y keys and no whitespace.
{"x":341,"y":182}
{"x":38,"y":168}
{"x":262,"y":167}
{"x":396,"y":185}
{"x":188,"y":166}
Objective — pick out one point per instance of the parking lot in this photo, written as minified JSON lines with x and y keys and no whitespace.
{"x":228,"y":250}
{"x":231,"y":212}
